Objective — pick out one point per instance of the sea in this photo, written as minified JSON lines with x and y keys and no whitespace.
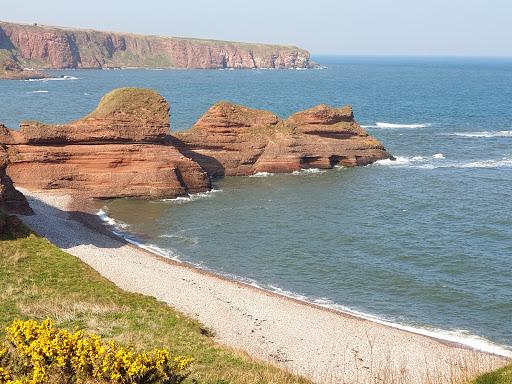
{"x":422,"y":243}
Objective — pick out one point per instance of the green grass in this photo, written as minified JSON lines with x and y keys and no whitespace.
{"x":132,"y":100}
{"x":39,"y":281}
{"x":501,"y":376}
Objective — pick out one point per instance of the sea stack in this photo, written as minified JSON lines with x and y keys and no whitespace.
{"x":233,"y":140}
{"x":119,"y":150}
{"x":125,"y":148}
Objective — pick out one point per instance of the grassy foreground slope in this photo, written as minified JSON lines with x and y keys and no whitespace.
{"x":501,"y":376}
{"x":39,"y":281}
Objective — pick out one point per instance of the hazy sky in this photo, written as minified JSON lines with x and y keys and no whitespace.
{"x":374,"y":27}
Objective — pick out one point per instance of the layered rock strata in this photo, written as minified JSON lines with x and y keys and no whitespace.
{"x":125,"y":148}
{"x":11,"y":200}
{"x":119,"y":150}
{"x":53,"y":47}
{"x":233,"y":140}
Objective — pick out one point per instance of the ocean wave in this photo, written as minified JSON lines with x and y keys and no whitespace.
{"x":383,"y":125}
{"x":29,"y":92}
{"x":192,"y":197}
{"x":118,"y":228}
{"x":262,"y":174}
{"x":119,"y":225}
{"x":181,"y":237}
{"x":483,"y":134}
{"x":308,"y":171}
{"x":62,"y":78}
{"x":438,"y":161}
{"x":501,"y":163}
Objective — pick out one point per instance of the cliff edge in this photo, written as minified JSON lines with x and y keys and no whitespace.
{"x":36,"y":46}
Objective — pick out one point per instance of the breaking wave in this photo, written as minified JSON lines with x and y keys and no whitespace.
{"x":308,"y":171}
{"x":396,"y":126}
{"x":37,"y":92}
{"x":62,"y":78}
{"x":192,"y":197}
{"x":119,"y":229}
{"x":439,"y":161}
{"x":262,"y":174}
{"x":483,"y":134}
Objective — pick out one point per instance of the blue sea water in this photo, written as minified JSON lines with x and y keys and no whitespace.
{"x":422,"y":242}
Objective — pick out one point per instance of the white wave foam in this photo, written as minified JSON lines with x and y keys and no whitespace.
{"x":181,"y":237}
{"x":262,"y":174}
{"x":383,"y":125}
{"x":118,"y":228}
{"x":63,"y":78}
{"x":457,"y":336}
{"x":308,"y":171}
{"x":437,"y":161}
{"x":483,"y":134}
{"x":110,"y":221}
{"x":37,"y":92}
{"x":192,"y":197}
{"x":501,"y":163}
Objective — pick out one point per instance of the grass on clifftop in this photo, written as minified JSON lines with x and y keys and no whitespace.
{"x":132,"y":100}
{"x":39,"y":281}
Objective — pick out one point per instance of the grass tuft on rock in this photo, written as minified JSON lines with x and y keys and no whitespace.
{"x":133,"y":101}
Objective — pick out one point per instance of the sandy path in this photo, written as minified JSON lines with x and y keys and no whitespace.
{"x":329,"y":347}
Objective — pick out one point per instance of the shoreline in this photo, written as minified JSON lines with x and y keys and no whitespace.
{"x":450,"y":337}
{"x":400,"y":351}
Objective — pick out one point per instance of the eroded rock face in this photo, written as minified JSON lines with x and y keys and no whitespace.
{"x":11,"y":200}
{"x":125,"y":149}
{"x":119,"y":150}
{"x":52,"y":47}
{"x":235,"y":140}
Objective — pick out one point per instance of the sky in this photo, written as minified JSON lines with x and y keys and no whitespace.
{"x":324,"y":27}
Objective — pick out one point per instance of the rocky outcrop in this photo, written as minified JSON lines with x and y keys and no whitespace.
{"x":11,"y":200}
{"x":119,"y":150}
{"x":52,"y":47}
{"x":125,"y":148}
{"x":11,"y":70}
{"x":234,"y":140}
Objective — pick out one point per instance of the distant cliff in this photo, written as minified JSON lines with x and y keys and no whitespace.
{"x":58,"y":48}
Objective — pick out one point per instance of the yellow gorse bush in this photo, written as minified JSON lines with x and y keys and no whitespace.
{"x":41,"y":350}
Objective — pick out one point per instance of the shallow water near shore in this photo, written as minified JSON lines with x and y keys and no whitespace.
{"x":424,"y":241}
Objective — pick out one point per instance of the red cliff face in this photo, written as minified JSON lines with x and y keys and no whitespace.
{"x":11,"y":200}
{"x":119,"y":150}
{"x":52,"y":47}
{"x":234,"y":140}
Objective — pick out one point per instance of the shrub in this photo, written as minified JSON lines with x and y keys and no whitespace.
{"x":39,"y":353}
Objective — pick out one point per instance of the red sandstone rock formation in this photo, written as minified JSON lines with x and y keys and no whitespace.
{"x":52,"y":47}
{"x":119,"y":150}
{"x":125,"y":149}
{"x":234,"y":140}
{"x":11,"y":200}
